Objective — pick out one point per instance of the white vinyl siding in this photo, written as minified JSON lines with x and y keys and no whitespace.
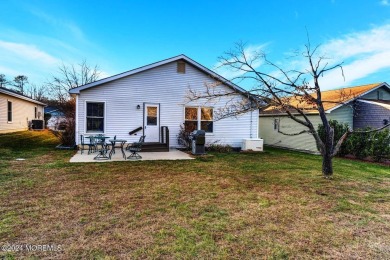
{"x":22,"y":112}
{"x":161,"y":85}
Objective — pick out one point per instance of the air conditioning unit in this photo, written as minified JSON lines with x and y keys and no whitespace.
{"x":37,"y":125}
{"x":252,"y":144}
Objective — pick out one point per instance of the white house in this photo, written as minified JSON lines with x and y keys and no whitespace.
{"x":150,"y":99}
{"x":17,"y":111}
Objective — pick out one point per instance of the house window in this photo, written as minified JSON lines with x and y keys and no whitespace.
{"x":35,"y":112}
{"x":9,"y":111}
{"x":198,"y":118}
{"x":276,"y":124}
{"x":95,"y":117}
{"x":181,"y":67}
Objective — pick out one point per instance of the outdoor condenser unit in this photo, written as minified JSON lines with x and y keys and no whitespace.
{"x":37,"y":124}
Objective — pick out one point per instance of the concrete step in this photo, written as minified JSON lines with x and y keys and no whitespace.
{"x":154,"y":147}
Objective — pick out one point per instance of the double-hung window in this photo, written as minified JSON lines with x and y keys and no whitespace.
{"x":9,"y":114}
{"x":198,"y":118}
{"x":95,"y":117}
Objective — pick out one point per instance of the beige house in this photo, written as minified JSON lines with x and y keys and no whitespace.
{"x":17,"y":111}
{"x":367,"y":105}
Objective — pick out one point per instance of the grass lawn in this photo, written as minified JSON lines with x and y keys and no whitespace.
{"x":237,"y":205}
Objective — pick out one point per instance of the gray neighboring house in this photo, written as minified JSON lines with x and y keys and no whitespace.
{"x":372,"y":113}
{"x":368,"y":105}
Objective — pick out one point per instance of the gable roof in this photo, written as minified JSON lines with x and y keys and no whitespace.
{"x":335,"y":98}
{"x":12,"y":93}
{"x":157,"y":64}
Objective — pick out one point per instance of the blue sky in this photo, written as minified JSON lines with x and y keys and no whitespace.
{"x":36,"y":36}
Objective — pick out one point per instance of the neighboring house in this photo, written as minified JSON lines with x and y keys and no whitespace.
{"x":362,"y":106}
{"x":17,"y":111}
{"x":147,"y":99}
{"x":56,"y":118}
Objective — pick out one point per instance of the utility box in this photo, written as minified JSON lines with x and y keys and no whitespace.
{"x":198,"y":142}
{"x":252,"y":144}
{"x":37,"y":124}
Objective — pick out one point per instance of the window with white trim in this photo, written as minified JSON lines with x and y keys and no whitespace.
{"x":9,"y":110}
{"x":35,"y":112}
{"x":198,"y":118}
{"x":95,"y":117}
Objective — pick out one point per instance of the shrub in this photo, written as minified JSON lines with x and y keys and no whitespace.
{"x":67,"y":135}
{"x":219,"y":148}
{"x":358,"y":144}
{"x":183,"y":138}
{"x":380,"y":145}
{"x":339,"y":130}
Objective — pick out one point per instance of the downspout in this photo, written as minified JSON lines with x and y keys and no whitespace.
{"x":77,"y":120}
{"x":250,"y":128}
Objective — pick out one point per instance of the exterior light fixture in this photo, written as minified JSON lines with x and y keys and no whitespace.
{"x":138,"y":107}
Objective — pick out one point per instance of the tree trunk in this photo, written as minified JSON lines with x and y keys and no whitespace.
{"x":327,"y":155}
{"x":327,"y":165}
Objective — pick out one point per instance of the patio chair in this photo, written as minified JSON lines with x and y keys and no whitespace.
{"x":135,"y":148}
{"x":91,"y":145}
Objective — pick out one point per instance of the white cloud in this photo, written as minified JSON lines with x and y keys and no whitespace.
{"x":363,"y":53}
{"x":25,"y":59}
{"x":385,"y":3}
{"x":26,"y":52}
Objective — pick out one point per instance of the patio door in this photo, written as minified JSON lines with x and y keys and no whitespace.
{"x":152,"y":122}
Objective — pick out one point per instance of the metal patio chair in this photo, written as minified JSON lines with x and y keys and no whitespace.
{"x":135,"y":148}
{"x":92,"y":146}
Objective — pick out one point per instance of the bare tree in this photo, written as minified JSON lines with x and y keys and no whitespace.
{"x":71,"y":76}
{"x":294,"y":92}
{"x":20,"y":82}
{"x":37,"y":92}
{"x":3,"y":80}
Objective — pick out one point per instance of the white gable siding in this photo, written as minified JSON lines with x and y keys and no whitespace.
{"x":22,"y":112}
{"x":161,"y":85}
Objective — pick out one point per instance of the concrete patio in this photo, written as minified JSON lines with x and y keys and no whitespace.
{"x":173,"y":154}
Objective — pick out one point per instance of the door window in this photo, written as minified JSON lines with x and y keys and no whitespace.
{"x":151,"y":118}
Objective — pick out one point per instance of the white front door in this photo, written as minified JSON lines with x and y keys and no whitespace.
{"x":152,"y":123}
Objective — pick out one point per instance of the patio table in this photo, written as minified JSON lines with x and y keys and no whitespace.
{"x":103,"y":149}
{"x":122,"y":143}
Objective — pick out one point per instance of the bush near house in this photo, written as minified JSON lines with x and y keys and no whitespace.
{"x":361,"y":145}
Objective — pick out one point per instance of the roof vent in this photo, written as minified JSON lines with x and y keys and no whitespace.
{"x":181,"y":67}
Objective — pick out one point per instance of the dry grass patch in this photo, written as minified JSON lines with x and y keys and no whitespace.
{"x":273,"y":205}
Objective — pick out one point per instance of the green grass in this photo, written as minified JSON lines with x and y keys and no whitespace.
{"x":230,"y":205}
